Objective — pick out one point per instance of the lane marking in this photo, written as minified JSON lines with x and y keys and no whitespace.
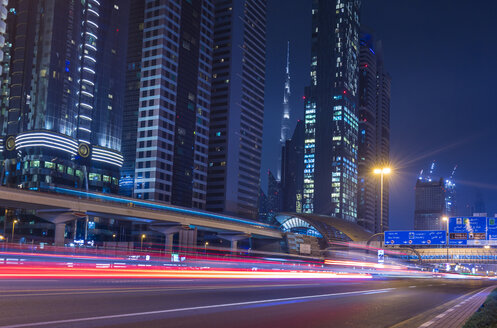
{"x":426,"y":324}
{"x":81,"y":291}
{"x":441,"y":315}
{"x":204,"y":307}
{"x":412,"y":286}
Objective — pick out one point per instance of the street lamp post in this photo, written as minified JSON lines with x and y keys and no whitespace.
{"x":446,"y":220}
{"x":141,"y":243}
{"x":382,"y":171}
{"x":13,"y":227}
{"x":205,"y":247}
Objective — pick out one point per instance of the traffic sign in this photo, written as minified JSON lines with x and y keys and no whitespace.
{"x":420,"y":237}
{"x":468,"y":231}
{"x":381,"y":256}
{"x":492,"y":231}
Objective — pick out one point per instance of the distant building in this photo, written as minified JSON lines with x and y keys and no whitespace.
{"x":374,"y":134}
{"x":174,"y":104}
{"x":331,"y":111}
{"x":237,"y":107}
{"x":429,"y":205}
{"x":292,"y":171}
{"x":285,"y":120}
{"x":66,"y":93}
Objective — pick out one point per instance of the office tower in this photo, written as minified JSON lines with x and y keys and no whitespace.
{"x":3,"y":28}
{"x":173,"y":119}
{"x":285,"y":120}
{"x":273,"y":194}
{"x":132,"y":95}
{"x":292,"y":170}
{"x":63,"y":124}
{"x":429,"y":204}
{"x":374,"y":134}
{"x":237,"y":106}
{"x":331,"y":127}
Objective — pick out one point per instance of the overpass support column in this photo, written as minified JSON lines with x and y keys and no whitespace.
{"x":59,"y":218}
{"x":234,"y":245}
{"x":188,"y":240}
{"x":168,"y":230}
{"x":234,"y":238}
{"x":60,"y":231}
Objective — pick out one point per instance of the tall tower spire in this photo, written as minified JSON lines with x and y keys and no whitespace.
{"x":285,"y":121}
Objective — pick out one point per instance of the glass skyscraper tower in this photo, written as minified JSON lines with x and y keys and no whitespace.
{"x":63,"y":120}
{"x":331,"y":124}
{"x":237,"y":112}
{"x":174,"y":102}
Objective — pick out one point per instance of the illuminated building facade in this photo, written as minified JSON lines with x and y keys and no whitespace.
{"x":374,"y":134}
{"x":331,"y":124}
{"x":174,"y":104}
{"x":285,"y":120}
{"x":63,"y":120}
{"x":237,"y":107}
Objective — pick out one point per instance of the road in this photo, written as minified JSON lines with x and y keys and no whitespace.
{"x":225,"y":303}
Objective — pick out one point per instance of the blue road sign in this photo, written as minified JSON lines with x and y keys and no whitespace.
{"x":421,"y":237}
{"x":468,"y":231}
{"x":492,"y":231}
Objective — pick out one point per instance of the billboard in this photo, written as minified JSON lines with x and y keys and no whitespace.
{"x":469,"y":231}
{"x":420,"y":237}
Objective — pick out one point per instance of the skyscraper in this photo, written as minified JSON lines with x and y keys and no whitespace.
{"x":237,"y":106}
{"x":132,"y":96}
{"x":374,"y":134}
{"x":63,"y":125}
{"x":173,"y":120}
{"x":285,"y":120}
{"x":330,"y":159}
{"x":292,"y":170}
{"x":429,"y":205}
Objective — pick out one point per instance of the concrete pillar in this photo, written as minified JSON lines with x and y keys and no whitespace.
{"x":59,"y":217}
{"x":168,"y":245}
{"x":233,"y":238}
{"x":60,"y":231}
{"x":234,"y":245}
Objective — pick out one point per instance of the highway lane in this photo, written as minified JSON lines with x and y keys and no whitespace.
{"x":223,"y":303}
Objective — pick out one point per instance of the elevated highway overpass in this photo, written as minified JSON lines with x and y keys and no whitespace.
{"x":61,"y":205}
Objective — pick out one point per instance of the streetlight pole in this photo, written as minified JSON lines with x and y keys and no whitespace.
{"x":382,"y":172}
{"x":13,"y":227}
{"x":141,"y":243}
{"x":446,"y":219}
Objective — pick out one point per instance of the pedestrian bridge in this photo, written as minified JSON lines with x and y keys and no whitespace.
{"x":455,"y":255}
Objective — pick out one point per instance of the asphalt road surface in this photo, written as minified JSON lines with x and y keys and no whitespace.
{"x":225,"y":303}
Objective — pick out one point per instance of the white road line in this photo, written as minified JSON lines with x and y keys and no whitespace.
{"x":426,"y":324}
{"x":441,"y":315}
{"x":125,"y":315}
{"x":412,"y":286}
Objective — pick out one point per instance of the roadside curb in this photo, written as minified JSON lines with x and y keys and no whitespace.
{"x":457,"y":315}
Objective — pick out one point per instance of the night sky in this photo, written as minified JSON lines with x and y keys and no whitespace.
{"x":442,"y":56}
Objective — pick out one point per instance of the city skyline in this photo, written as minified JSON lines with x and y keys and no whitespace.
{"x":446,"y":136}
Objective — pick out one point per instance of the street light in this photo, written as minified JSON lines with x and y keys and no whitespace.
{"x":141,"y":243}
{"x":205,"y":247}
{"x":382,"y":171}
{"x":446,"y":219}
{"x":13,"y":227}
